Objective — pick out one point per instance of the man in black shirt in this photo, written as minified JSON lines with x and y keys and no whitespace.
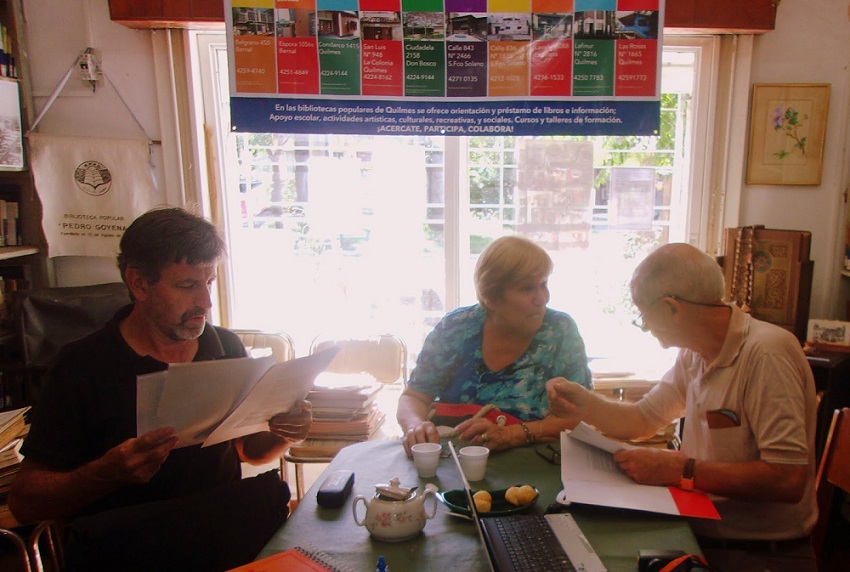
{"x":137,"y":503}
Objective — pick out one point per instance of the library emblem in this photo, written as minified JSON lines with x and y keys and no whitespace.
{"x":93,"y":178}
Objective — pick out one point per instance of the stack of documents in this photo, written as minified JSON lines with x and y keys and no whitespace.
{"x":590,"y":476}
{"x":344,"y":412}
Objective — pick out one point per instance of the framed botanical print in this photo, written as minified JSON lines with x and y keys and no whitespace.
{"x":787,"y":132}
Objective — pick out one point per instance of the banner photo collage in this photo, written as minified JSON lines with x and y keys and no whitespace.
{"x":513,"y":67}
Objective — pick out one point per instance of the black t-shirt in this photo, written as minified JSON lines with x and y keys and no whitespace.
{"x":88,"y":406}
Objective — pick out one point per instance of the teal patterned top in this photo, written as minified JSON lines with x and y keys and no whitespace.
{"x":450,"y":366}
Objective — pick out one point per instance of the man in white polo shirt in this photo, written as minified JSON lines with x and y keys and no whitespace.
{"x":747,"y":395}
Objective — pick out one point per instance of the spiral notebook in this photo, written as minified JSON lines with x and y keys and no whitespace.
{"x":299,"y":559}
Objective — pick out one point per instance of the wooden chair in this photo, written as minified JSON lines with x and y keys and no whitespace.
{"x":834,"y":471}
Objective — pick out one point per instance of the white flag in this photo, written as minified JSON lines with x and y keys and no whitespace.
{"x":90,"y":189}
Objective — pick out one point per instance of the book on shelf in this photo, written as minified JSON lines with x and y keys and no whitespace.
{"x":11,"y":453}
{"x":12,"y":424}
{"x":4,"y":216}
{"x":12,"y":225}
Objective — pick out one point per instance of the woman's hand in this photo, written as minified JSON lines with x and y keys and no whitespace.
{"x":423,"y":432}
{"x":487,"y":434}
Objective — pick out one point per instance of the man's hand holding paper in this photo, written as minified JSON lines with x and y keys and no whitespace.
{"x":294,"y":424}
{"x":650,"y":466}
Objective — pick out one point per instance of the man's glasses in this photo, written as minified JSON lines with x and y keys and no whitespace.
{"x":640,"y":322}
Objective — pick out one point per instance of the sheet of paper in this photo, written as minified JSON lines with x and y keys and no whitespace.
{"x":194,"y":397}
{"x":586,"y":433}
{"x":590,"y":476}
{"x":276,"y":392}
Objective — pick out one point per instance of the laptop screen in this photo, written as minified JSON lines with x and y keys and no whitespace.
{"x":472,"y":508}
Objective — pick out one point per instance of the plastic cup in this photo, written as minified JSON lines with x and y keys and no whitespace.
{"x":473,"y":461}
{"x":426,"y":457}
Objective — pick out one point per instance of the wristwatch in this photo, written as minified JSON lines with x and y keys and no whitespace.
{"x":686,"y":481}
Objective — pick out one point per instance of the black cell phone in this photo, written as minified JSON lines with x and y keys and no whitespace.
{"x":551,"y":452}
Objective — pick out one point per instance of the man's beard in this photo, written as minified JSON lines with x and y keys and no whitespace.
{"x":184,"y":332}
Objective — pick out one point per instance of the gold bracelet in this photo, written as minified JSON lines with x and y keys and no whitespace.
{"x":529,"y":438}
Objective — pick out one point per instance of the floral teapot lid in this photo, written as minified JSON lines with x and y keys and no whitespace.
{"x":394,"y":491}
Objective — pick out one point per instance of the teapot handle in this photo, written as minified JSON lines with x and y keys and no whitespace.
{"x":359,"y":522}
{"x":430,"y":491}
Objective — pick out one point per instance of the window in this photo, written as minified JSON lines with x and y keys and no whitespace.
{"x":368,"y":233}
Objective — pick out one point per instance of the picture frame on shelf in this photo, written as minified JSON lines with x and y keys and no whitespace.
{"x":11,"y":129}
{"x":787,"y":133}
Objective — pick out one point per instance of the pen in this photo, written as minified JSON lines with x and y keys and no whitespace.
{"x":381,"y":566}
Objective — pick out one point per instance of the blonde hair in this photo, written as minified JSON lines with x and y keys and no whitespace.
{"x":507,"y":261}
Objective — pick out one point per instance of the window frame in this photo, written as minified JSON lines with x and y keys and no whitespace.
{"x":709,"y":210}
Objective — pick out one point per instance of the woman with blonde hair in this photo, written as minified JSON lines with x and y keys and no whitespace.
{"x":499,"y":353}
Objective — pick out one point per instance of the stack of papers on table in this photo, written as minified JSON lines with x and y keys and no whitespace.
{"x":344,"y":412}
{"x":590,"y":476}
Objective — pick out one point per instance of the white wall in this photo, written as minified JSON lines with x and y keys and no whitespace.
{"x":811,"y":43}
{"x":55,"y":37}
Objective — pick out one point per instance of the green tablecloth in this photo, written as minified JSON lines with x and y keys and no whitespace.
{"x":450,"y":543}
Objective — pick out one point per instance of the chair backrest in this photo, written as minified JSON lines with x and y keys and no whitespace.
{"x":49,"y":318}
{"x":383,"y":356}
{"x":279,"y":343}
{"x":834,"y":471}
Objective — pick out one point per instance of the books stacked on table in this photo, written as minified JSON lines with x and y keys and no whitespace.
{"x":344,"y":412}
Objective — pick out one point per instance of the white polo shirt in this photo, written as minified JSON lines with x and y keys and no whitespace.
{"x":756,"y":401}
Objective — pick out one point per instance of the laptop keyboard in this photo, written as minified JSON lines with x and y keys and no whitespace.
{"x":525,"y":542}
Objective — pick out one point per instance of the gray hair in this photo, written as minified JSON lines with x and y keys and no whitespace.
{"x":678,"y":269}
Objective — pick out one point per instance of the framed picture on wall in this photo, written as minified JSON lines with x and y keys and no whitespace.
{"x":11,"y":135}
{"x":787,"y":131}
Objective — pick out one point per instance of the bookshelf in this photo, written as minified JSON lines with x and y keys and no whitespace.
{"x":22,"y":260}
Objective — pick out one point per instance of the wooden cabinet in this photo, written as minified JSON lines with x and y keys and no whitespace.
{"x":720,"y":16}
{"x":705,"y":16}
{"x":168,"y":13}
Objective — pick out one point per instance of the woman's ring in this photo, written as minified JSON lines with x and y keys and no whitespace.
{"x":485,"y":438}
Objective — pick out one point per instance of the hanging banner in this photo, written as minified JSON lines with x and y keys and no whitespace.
{"x":454,"y":67}
{"x":90,"y":190}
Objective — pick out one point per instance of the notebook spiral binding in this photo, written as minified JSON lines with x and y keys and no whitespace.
{"x":323,"y":558}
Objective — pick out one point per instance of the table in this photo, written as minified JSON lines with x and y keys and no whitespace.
{"x":451,"y":543}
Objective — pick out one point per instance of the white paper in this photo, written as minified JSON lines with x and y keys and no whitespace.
{"x":586,"y":433}
{"x":590,"y":476}
{"x":210,"y":402}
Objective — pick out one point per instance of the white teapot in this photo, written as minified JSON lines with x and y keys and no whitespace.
{"x":396,"y":513}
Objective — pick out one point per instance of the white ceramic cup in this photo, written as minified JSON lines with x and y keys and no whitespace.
{"x":426,"y":457}
{"x":473,"y":460}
